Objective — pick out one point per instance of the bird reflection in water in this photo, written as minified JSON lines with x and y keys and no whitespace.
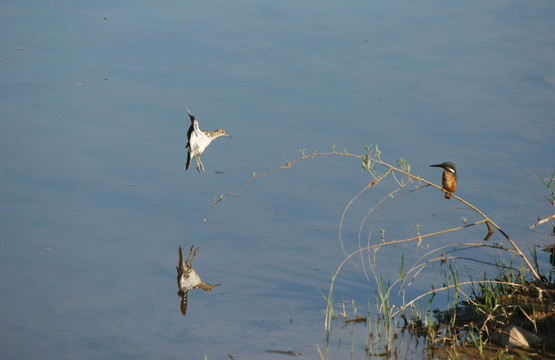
{"x":187,"y":278}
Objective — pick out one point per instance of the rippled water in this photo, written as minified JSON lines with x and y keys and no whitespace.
{"x":95,"y":199}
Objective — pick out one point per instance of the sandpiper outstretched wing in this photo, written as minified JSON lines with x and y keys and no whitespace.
{"x":194,"y":126}
{"x":191,"y":128}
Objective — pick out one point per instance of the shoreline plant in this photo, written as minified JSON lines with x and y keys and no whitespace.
{"x":485,"y":296}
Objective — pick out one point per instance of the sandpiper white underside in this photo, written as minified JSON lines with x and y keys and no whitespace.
{"x":199,"y":140}
{"x":189,"y":280}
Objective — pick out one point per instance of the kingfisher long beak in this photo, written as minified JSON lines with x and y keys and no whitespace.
{"x":439,"y":165}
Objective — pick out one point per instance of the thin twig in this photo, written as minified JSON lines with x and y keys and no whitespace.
{"x":284,"y":166}
{"x":541,"y":221}
{"x":374,"y":182}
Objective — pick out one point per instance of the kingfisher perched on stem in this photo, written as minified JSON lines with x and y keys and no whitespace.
{"x":449,"y":179}
{"x":187,"y":278}
{"x":198,"y":140}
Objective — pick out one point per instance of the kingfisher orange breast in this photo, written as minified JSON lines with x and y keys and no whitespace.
{"x":449,"y":183}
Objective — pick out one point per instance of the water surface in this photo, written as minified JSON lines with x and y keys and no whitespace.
{"x":95,"y":200}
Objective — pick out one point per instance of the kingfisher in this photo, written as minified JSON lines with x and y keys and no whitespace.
{"x":198,"y":140}
{"x":187,"y":278}
{"x":449,"y":179}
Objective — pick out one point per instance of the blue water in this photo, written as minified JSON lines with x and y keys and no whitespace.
{"x":94,"y":198}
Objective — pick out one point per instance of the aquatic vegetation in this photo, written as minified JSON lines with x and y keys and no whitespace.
{"x":474,"y":305}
